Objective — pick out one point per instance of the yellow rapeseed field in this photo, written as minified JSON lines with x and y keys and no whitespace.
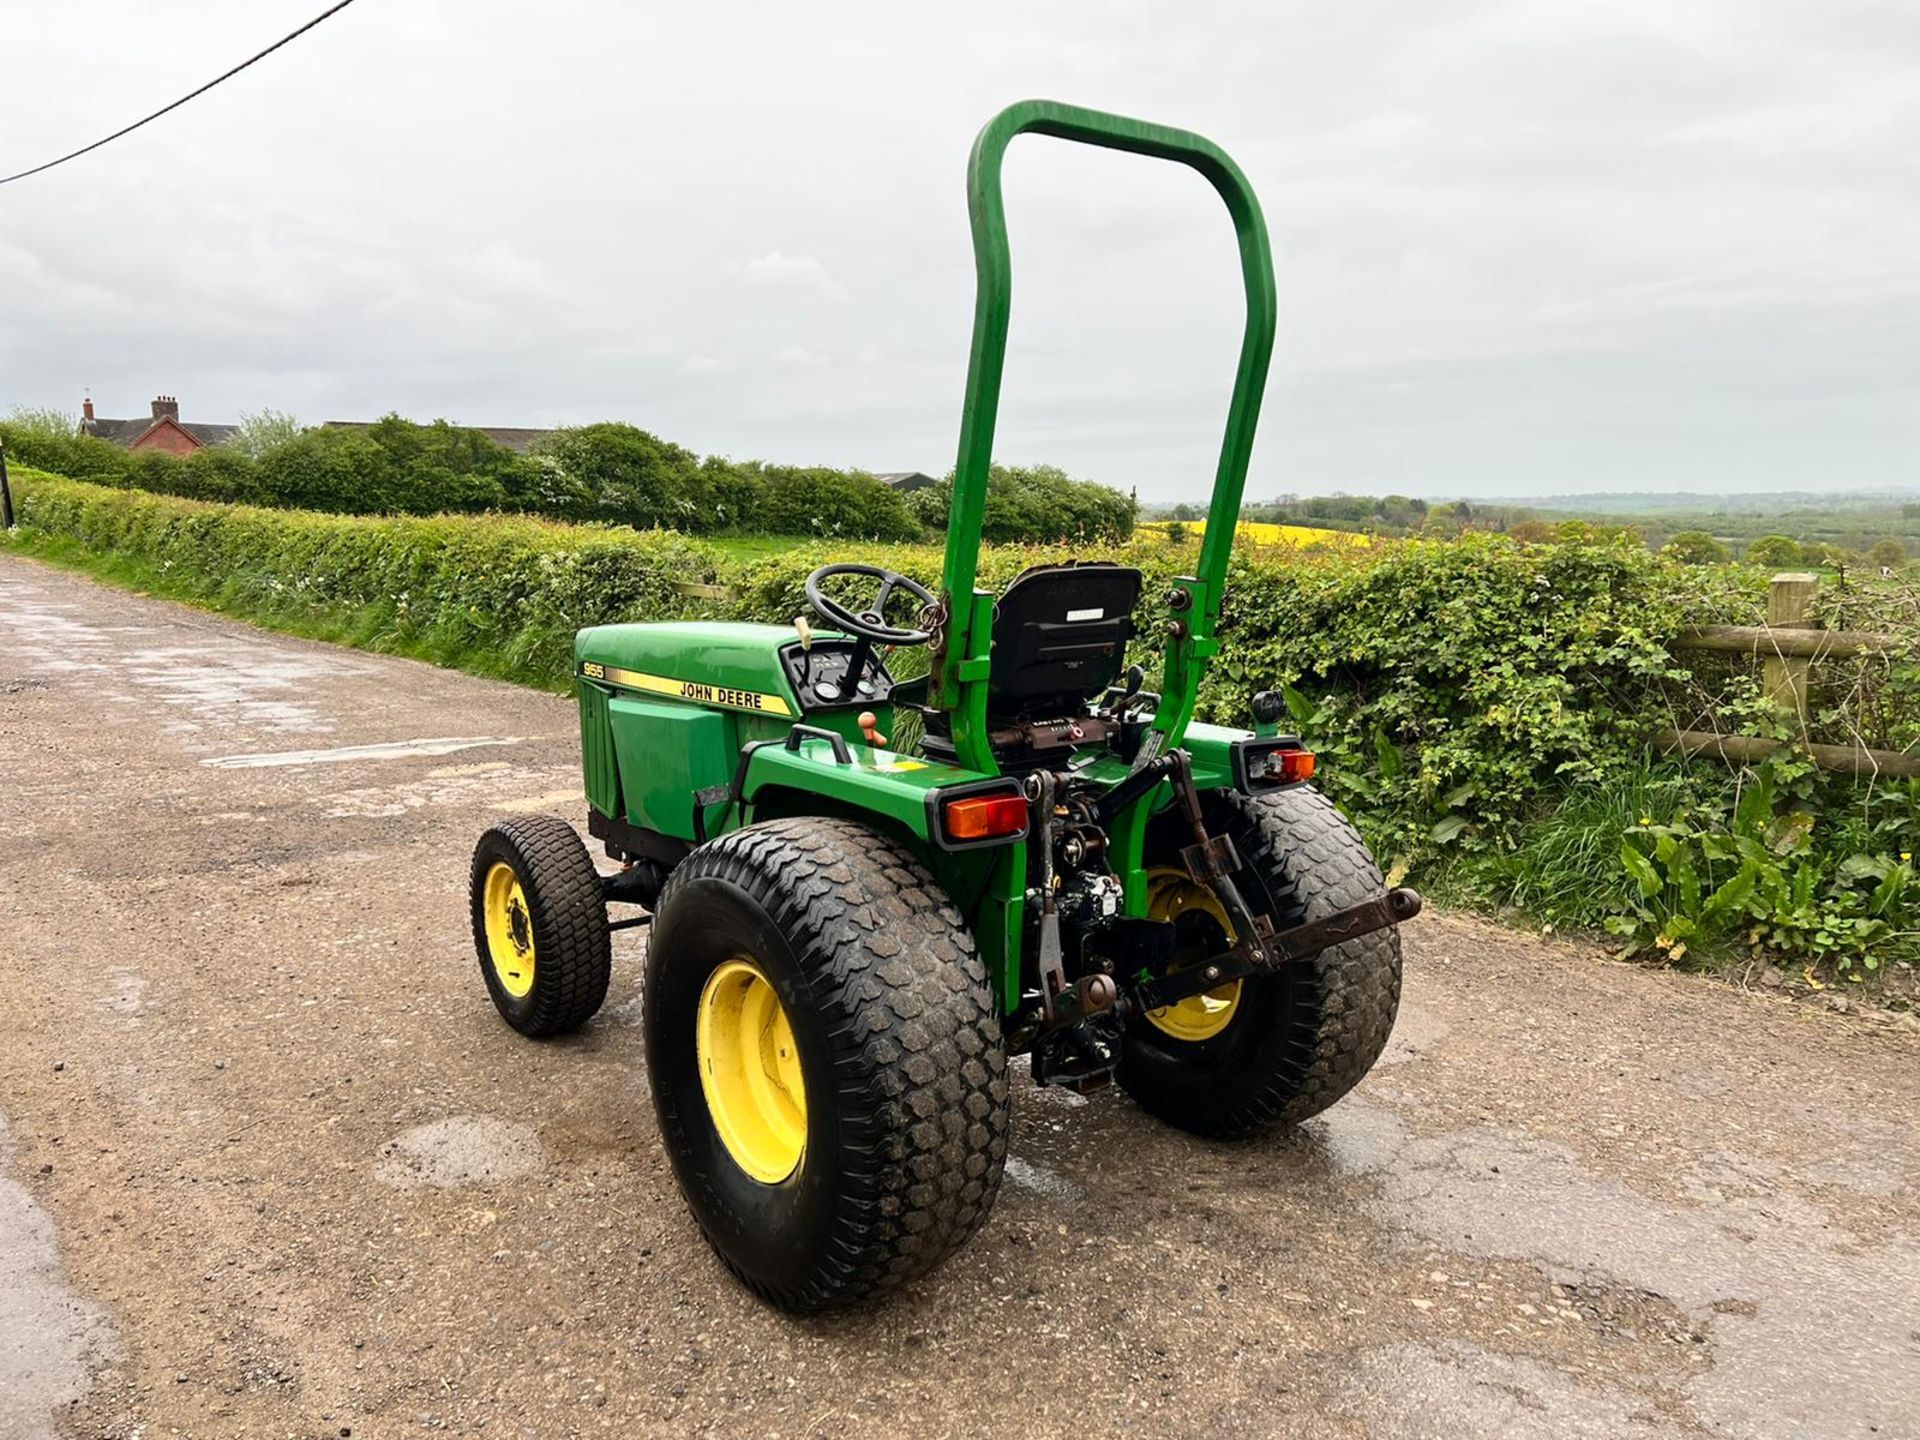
{"x":1261,"y":532}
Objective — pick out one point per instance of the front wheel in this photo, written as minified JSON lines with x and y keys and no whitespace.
{"x":540,"y":925}
{"x":826,"y":1060}
{"x":1269,"y":1050}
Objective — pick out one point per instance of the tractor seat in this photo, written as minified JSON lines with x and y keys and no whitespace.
{"x":1060,"y":636}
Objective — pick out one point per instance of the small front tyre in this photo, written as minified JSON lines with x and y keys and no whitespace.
{"x":540,"y":925}
{"x":826,"y":1060}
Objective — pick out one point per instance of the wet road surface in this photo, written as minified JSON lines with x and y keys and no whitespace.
{"x":275,"y":1168}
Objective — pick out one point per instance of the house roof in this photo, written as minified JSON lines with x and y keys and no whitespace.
{"x":899,"y":478}
{"x":124,"y":432}
{"x":120,"y":432}
{"x":517,"y":438}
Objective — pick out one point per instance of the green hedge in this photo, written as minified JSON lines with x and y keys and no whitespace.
{"x":1456,"y":688}
{"x":608,"y":472}
{"x":1036,"y":503}
{"x":498,"y":595}
{"x":47,"y":442}
{"x":1481,"y":705}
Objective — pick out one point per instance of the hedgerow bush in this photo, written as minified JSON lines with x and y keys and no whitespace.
{"x":395,"y":467}
{"x":835,"y":504}
{"x":1456,"y":687}
{"x":501,"y":595}
{"x":610,"y":471}
{"x":391,"y":467}
{"x":50,"y":440}
{"x":1481,"y":707}
{"x":1036,"y":503}
{"x":614,"y":471}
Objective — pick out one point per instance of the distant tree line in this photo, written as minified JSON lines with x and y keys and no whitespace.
{"x":1837,"y":543}
{"x":609,"y":472}
{"x":1370,"y":514}
{"x":1783,"y":552}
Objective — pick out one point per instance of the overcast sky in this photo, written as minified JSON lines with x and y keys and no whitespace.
{"x":1523,"y":248}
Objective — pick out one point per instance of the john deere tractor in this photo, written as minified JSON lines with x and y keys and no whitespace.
{"x":851,"y":942}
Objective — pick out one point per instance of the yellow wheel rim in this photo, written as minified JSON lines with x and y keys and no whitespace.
{"x":1170,"y":894}
{"x":750,"y":1072}
{"x":509,"y":931}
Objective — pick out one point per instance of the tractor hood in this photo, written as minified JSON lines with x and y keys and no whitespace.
{"x":732,"y":666}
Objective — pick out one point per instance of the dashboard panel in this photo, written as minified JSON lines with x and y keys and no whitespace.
{"x":821,"y":678}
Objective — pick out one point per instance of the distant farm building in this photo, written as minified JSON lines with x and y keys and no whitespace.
{"x":906,"y":481}
{"x":164,"y":430}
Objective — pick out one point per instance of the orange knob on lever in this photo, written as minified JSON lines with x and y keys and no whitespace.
{"x":868,"y":721}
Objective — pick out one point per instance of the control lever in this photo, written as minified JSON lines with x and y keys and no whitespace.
{"x":869,"y":727}
{"x":1050,"y":962}
{"x":805,"y":632}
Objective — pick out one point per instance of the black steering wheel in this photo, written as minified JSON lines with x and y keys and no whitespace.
{"x":869,"y":623}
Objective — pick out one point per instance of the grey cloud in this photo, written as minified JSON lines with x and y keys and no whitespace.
{"x":1523,"y":247}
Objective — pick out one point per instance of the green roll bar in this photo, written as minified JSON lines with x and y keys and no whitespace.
{"x":959,"y":680}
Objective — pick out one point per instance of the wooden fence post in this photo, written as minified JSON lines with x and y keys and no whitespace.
{"x":6,"y":491}
{"x":1789,"y":648}
{"x":1784,"y":677}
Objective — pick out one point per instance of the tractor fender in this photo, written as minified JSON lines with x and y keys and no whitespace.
{"x":860,"y":781}
{"x":892,"y":793}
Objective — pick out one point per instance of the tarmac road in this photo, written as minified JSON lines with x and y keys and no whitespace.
{"x":271,"y":1166}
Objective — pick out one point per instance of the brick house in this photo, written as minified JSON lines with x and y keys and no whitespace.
{"x":164,"y":430}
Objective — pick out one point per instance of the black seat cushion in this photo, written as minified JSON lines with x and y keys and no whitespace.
{"x":1060,"y":637}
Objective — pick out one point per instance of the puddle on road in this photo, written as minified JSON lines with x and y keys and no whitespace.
{"x":1038,"y":1179}
{"x":385,"y":750}
{"x":1784,"y":1292}
{"x":222,"y":683}
{"x":460,"y":1150}
{"x":1863,"y":1153}
{"x":1415,"y":1033}
{"x":1417,"y":1392}
{"x":129,"y":992}
{"x":208,"y":683}
{"x":51,"y":1341}
{"x":477,"y":790}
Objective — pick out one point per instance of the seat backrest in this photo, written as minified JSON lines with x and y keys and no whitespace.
{"x":1060,"y":637}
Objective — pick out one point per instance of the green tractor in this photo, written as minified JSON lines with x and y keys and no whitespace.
{"x":849,"y":943}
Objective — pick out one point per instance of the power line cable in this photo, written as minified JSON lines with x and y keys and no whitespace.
{"x":128,"y":130}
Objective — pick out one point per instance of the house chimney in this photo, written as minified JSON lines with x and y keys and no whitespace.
{"x":165,"y":407}
{"x":86,"y":409}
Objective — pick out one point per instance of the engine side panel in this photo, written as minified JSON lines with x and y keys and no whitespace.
{"x":599,"y":761}
{"x":666,"y":752}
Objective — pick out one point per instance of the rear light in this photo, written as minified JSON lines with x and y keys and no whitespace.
{"x":978,"y":812}
{"x":1269,"y":764}
{"x":984,"y":817}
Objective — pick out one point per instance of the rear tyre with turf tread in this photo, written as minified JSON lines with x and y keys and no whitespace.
{"x":906,"y":1099}
{"x":1303,"y":1037}
{"x":566,"y":910}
